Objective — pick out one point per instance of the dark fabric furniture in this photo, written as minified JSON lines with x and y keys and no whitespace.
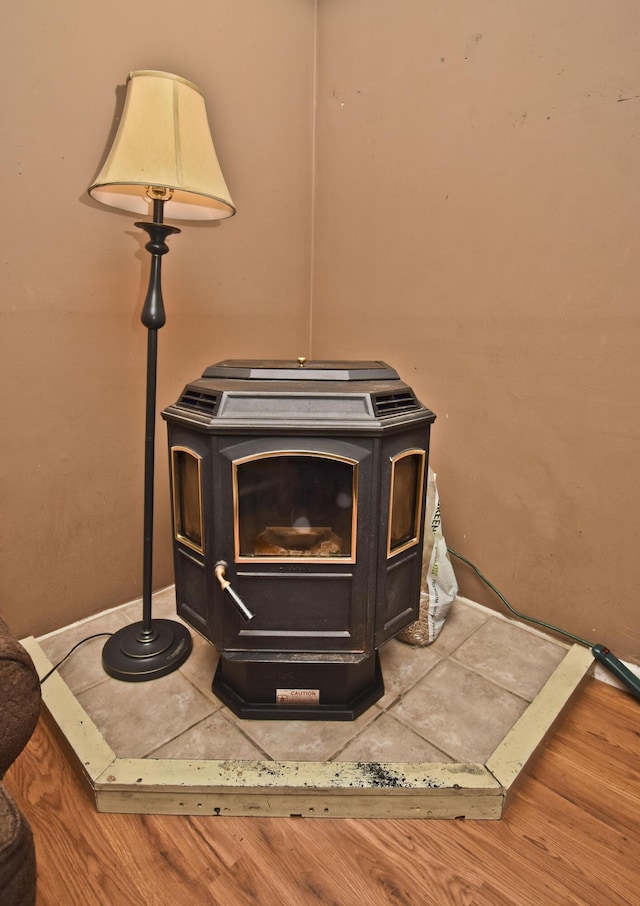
{"x":19,"y":711}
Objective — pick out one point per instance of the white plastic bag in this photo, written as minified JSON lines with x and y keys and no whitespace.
{"x":439,"y":585}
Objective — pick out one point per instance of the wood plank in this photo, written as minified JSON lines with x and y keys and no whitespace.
{"x":304,"y":789}
{"x":554,"y":849}
{"x":85,"y":857}
{"x":574,"y":762}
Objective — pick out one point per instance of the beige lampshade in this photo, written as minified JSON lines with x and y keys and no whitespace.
{"x":164,"y":142}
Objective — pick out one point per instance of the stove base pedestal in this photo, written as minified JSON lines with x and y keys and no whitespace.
{"x":291,"y":690}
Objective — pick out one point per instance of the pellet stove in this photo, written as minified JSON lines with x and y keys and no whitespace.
{"x":298,"y":507}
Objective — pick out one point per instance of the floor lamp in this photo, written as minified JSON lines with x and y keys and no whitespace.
{"x":162,"y":161}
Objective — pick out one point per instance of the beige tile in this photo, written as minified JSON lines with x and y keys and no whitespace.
{"x":136,"y":718}
{"x":387,"y":740}
{"x":83,"y":668}
{"x":402,"y":666}
{"x":459,"y":711}
{"x":303,"y":740}
{"x":511,"y":656}
{"x":462,"y":621}
{"x":200,"y":667}
{"x":213,"y":738}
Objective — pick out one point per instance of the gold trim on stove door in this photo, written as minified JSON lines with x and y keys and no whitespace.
{"x":406,"y":524}
{"x":187,"y":501}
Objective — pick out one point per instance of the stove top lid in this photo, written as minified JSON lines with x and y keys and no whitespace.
{"x":300,"y":370}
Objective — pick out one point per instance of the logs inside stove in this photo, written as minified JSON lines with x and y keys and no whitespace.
{"x":298,"y":509}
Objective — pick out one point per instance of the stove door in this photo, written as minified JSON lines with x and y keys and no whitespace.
{"x":299,"y":528}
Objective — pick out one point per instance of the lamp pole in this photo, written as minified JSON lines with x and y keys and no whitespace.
{"x":153,"y":317}
{"x":150,"y":648}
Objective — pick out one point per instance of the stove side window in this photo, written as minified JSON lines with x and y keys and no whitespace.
{"x":295,"y":506}
{"x":405,"y":504}
{"x":187,"y":497}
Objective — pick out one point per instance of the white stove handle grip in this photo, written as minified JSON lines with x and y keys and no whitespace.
{"x":220,"y":574}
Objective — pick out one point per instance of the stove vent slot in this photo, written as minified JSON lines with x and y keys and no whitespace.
{"x":388,"y":404}
{"x":199,"y":401}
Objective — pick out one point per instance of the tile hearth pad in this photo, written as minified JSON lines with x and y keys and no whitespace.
{"x":459,"y":721}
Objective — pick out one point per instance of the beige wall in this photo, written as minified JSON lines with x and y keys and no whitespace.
{"x":476,"y":225}
{"x":74,"y":274}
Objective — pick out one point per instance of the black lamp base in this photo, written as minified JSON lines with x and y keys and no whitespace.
{"x":133,"y":655}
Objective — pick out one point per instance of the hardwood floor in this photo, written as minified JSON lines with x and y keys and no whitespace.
{"x":571,"y":835}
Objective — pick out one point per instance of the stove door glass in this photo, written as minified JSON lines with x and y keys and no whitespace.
{"x":187,"y":497}
{"x":405,"y":506}
{"x":298,"y":506}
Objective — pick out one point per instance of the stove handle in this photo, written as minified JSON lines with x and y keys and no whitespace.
{"x":219,"y":572}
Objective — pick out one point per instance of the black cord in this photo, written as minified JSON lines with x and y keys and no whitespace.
{"x":517,"y":613}
{"x":71,"y":650}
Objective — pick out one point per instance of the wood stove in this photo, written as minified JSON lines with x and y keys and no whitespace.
{"x":298,"y":510}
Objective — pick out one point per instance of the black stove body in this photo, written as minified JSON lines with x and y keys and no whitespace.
{"x":298,"y":495}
